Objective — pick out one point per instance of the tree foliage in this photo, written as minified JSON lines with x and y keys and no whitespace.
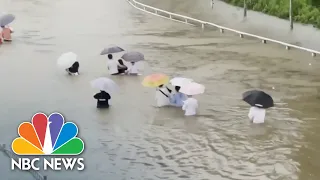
{"x":303,"y":11}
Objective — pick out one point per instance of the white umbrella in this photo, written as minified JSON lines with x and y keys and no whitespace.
{"x":104,"y":84}
{"x":66,"y":60}
{"x":180,"y":81}
{"x":192,"y":88}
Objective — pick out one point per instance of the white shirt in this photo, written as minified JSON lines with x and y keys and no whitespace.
{"x":161,"y":99}
{"x":190,"y":107}
{"x":112,"y":66}
{"x":133,"y":69}
{"x":257,"y":115}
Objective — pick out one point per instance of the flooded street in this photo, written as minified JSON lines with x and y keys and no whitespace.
{"x":133,"y":139}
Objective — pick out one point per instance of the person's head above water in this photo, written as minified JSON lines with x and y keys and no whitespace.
{"x":132,"y":63}
{"x":177,"y":88}
{"x":110,"y":56}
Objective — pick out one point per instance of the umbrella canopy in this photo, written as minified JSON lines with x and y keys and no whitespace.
{"x":258,"y":98}
{"x":133,"y":57}
{"x":192,"y":88}
{"x":6,"y":19}
{"x":66,"y":60}
{"x":155,"y":80}
{"x":180,"y":81}
{"x":110,"y":50}
{"x":104,"y":84}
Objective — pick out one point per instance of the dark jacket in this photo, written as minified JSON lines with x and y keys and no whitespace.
{"x":74,"y":68}
{"x":102,"y":99}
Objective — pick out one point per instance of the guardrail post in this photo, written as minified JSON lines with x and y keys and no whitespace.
{"x":222,"y":30}
{"x":170,"y":16}
{"x":241,"y":35}
{"x":313,"y":54}
{"x":264,"y":41}
{"x":244,"y":9}
{"x":156,"y":11}
{"x":202,"y":25}
{"x":287,"y":48}
{"x":144,"y":8}
{"x":290,"y":15}
{"x":186,"y":20}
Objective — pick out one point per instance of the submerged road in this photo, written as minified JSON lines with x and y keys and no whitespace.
{"x":134,"y":140}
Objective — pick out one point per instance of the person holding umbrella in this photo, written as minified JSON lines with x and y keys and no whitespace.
{"x":162,"y":92}
{"x":133,"y":58}
{"x":102,"y":99}
{"x":74,"y":69}
{"x":133,"y":70}
{"x":105,"y":85}
{"x":68,"y":61}
{"x":259,"y":102}
{"x":178,"y":98}
{"x":190,"y":105}
{"x":115,"y":67}
{"x":6,"y":33}
{"x":6,"y":30}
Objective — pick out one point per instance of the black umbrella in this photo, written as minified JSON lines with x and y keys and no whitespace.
{"x":133,"y":57}
{"x":110,"y":50}
{"x":258,"y":98}
{"x":6,"y":19}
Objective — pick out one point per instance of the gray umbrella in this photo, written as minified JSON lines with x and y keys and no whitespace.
{"x":6,"y":19}
{"x":133,"y":57}
{"x":110,"y":50}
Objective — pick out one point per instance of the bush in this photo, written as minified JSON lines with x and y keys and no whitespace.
{"x":303,"y":11}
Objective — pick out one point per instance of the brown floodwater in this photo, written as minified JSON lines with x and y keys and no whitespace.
{"x":133,"y":139}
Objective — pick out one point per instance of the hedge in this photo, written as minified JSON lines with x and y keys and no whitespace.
{"x":303,"y":11}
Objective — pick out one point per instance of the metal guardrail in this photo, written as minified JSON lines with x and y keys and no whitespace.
{"x":10,"y":154}
{"x":193,"y":21}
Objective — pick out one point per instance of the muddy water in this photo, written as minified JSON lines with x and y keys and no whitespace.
{"x":134,"y":140}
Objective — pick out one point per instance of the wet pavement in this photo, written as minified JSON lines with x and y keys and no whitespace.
{"x":134,"y":140}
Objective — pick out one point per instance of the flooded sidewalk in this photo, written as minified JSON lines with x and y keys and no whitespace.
{"x":232,"y":17}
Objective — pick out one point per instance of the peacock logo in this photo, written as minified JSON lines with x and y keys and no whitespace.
{"x":47,"y":136}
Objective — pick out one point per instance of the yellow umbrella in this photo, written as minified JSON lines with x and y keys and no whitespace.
{"x":155,"y":80}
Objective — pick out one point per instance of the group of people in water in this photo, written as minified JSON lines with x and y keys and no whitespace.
{"x":115,"y":67}
{"x":165,"y":97}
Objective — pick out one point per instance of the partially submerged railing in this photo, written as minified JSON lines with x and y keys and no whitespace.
{"x":10,"y":154}
{"x":193,"y":21}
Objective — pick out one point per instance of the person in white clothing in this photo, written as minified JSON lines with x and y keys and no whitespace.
{"x":115,"y":67}
{"x":257,"y":114}
{"x":190,"y":106}
{"x":133,"y":70}
{"x":162,"y":96}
